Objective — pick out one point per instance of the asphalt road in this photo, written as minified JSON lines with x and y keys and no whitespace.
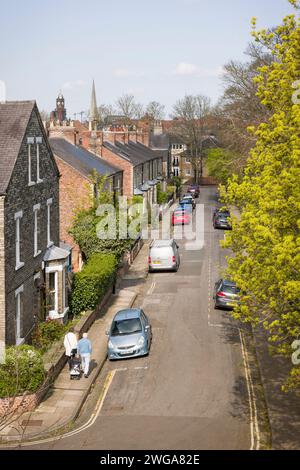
{"x":191,"y":392}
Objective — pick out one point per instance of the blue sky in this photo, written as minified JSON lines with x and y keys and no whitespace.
{"x":157,"y":50}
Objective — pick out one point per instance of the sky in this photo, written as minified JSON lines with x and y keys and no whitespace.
{"x":157,"y":50}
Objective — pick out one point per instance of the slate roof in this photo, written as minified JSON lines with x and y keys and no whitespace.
{"x":55,"y":253}
{"x":81,"y":159}
{"x":14,"y":118}
{"x":136,"y":153}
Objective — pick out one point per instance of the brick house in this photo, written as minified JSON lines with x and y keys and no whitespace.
{"x":76,"y":186}
{"x":33,"y":277}
{"x":143,"y":167}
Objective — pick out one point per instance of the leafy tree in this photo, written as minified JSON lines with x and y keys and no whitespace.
{"x":266,"y":239}
{"x":191,"y":115}
{"x":221,"y":164}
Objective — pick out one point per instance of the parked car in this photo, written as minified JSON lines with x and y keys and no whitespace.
{"x":188,"y":198}
{"x":194,"y":189}
{"x":186,"y":205}
{"x":221,"y":219}
{"x":181,"y":217}
{"x":163,"y":255}
{"x":129,"y":335}
{"x":226,"y":294}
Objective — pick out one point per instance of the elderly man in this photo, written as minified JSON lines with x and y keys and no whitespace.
{"x":84,"y":350}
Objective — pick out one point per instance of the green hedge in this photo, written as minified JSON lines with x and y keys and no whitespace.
{"x":23,"y":371}
{"x":91,"y":284}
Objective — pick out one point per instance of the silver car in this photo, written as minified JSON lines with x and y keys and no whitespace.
{"x":164,"y":255}
{"x":129,"y":335}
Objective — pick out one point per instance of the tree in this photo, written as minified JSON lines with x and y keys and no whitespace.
{"x":155,"y":110}
{"x":105,"y":110}
{"x":191,"y":116}
{"x":266,"y":239}
{"x":128,"y":107}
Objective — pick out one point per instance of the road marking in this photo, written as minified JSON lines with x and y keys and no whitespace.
{"x":254,"y":427}
{"x":251,"y":394}
{"x":151,"y":289}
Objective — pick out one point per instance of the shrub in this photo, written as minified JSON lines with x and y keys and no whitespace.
{"x":46,"y":333}
{"x":90,"y":285}
{"x":23,"y":371}
{"x":170,"y":191}
{"x":162,"y":197}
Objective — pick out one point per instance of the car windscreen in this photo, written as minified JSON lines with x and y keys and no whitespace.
{"x":126,"y":327}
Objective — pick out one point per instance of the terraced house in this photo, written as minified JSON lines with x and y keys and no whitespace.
{"x":33,"y":267}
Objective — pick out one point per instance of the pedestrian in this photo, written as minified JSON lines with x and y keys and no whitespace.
{"x":85,"y":349}
{"x":70,"y":344}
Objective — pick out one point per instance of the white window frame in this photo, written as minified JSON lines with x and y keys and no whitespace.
{"x":18,"y":319}
{"x":49,"y":204}
{"x":54,"y":270}
{"x":36,"y":250}
{"x":38,"y":141}
{"x":18,"y":217}
{"x":30,"y":142}
{"x":187,"y":172}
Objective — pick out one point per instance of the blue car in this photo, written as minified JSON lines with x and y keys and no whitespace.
{"x":186,"y":207}
{"x":129,"y":335}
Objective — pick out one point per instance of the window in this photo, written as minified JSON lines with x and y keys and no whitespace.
{"x":18,"y":217}
{"x":38,"y":141}
{"x":49,"y":204}
{"x":30,"y":142}
{"x":36,"y":209}
{"x":52,"y":292}
{"x":187,"y":172}
{"x":18,"y":314}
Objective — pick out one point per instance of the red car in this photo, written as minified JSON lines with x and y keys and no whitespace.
{"x":180,"y":217}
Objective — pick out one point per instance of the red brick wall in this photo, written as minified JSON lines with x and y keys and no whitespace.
{"x":74,"y":192}
{"x":127,"y":167}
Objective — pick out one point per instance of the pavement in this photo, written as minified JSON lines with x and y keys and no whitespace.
{"x":64,"y":400}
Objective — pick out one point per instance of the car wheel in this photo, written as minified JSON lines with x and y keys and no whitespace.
{"x":216,"y":307}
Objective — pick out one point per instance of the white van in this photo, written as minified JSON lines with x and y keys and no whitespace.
{"x":164,"y":255}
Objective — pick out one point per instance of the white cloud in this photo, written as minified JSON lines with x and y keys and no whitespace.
{"x":124,"y":73}
{"x":73,"y":85}
{"x":192,"y":70}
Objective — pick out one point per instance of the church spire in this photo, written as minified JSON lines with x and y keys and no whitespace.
{"x":94,"y":116}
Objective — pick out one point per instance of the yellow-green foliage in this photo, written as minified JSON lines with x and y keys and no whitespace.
{"x":266,"y":240}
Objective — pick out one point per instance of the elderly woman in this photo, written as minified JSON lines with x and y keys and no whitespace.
{"x":70,"y":344}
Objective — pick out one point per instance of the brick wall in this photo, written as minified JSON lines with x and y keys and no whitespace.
{"x":21,"y":197}
{"x":126,"y":166}
{"x":75,"y":193}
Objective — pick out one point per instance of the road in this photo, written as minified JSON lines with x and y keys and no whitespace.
{"x":191,"y":392}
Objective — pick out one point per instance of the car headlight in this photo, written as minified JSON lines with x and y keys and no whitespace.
{"x":141,"y":341}
{"x":110,"y":345}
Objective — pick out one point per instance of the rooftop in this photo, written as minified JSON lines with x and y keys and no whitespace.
{"x":14,"y":118}
{"x":81,"y":159}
